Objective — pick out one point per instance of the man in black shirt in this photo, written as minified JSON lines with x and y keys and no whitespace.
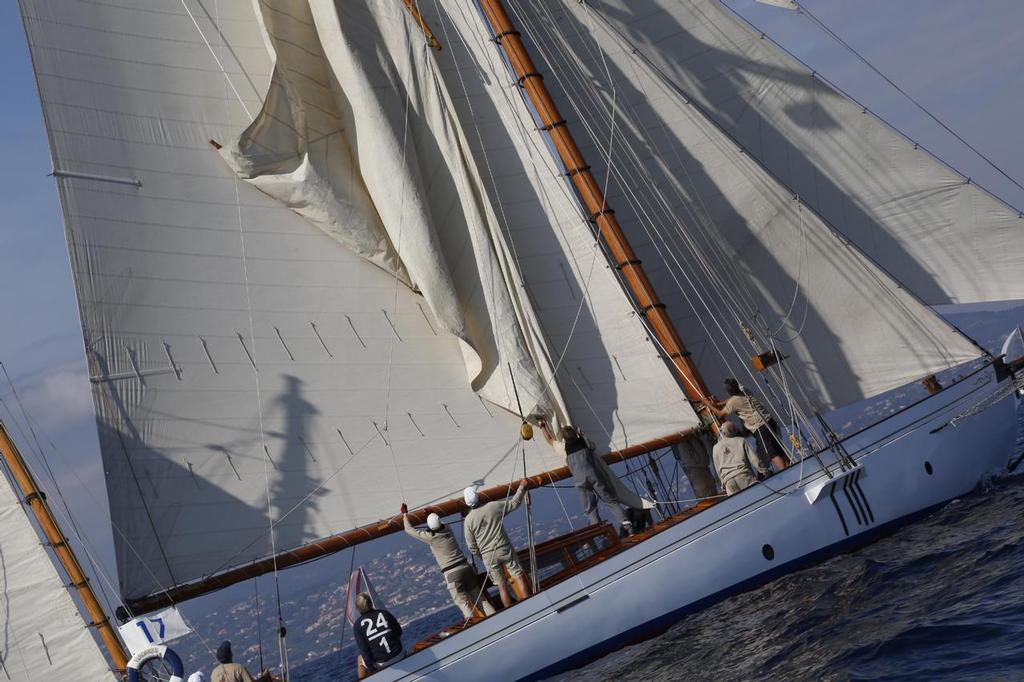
{"x":378,"y":636}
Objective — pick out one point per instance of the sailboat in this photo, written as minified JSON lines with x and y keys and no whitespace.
{"x":331,"y":257}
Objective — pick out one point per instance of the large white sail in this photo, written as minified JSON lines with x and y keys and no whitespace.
{"x":930,"y":227}
{"x":43,"y":636}
{"x":731,"y":249}
{"x":240,"y":353}
{"x":611,"y":376}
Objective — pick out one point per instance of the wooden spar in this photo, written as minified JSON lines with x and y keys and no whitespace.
{"x":593,"y":198}
{"x":336,"y":543}
{"x":36,"y":501}
{"x":418,"y":18}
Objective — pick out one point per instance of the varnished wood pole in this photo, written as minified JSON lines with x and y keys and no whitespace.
{"x":602,"y":216}
{"x":336,"y":543}
{"x":36,"y":501}
{"x":418,"y":18}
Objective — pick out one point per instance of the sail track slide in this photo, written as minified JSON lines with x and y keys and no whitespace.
{"x":906,"y":467}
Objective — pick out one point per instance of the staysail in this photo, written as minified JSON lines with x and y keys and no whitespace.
{"x":744,"y":255}
{"x":933,"y":229}
{"x":43,"y":635}
{"x":241,"y":352}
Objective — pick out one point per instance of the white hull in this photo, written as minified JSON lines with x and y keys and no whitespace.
{"x":724,"y":550}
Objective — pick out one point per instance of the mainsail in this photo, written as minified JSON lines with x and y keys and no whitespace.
{"x":43,"y":635}
{"x":753,"y":265}
{"x":250,"y":365}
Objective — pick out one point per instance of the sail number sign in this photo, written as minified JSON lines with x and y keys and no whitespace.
{"x":155,"y":628}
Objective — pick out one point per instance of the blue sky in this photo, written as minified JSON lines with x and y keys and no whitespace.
{"x":962,"y":59}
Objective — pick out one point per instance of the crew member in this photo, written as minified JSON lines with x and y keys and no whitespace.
{"x":592,"y":480}
{"x":757,"y":420}
{"x":694,"y":456}
{"x":228,"y":671}
{"x":378,"y":636}
{"x":735,"y":462}
{"x":459,"y":576}
{"x":486,"y":537}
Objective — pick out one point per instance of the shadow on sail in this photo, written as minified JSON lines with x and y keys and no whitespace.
{"x":172,"y":511}
{"x":732,"y":90}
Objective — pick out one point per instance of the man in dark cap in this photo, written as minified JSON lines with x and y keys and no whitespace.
{"x":757,"y":420}
{"x":229,"y":671}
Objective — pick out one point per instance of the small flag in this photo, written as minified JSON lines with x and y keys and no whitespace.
{"x":784,"y":4}
{"x":358,"y":582}
{"x":154,"y":628}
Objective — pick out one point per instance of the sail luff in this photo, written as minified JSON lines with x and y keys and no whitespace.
{"x":35,"y":499}
{"x":336,"y":543}
{"x":601,"y":214}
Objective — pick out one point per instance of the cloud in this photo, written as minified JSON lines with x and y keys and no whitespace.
{"x":55,"y":396}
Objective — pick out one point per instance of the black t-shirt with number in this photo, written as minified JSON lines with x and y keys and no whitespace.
{"x":379,"y":636}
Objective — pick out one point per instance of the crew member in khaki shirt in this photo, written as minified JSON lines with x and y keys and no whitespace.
{"x":757,"y":420}
{"x":233,"y":672}
{"x":460,"y":578}
{"x":486,"y":537}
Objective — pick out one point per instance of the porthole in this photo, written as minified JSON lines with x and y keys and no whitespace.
{"x":928,"y":467}
{"x":768,"y":552}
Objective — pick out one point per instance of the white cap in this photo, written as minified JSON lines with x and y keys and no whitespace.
{"x":434,"y":522}
{"x":469,"y":494}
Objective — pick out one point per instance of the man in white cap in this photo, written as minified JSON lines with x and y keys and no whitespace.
{"x":459,"y":576}
{"x":486,"y":537}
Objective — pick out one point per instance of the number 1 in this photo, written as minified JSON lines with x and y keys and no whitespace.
{"x":160,"y":622}
{"x":145,"y":631}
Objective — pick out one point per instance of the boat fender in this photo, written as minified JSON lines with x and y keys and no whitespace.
{"x":158,"y":651}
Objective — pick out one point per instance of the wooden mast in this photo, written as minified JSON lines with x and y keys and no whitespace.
{"x":36,"y":501}
{"x":601,"y":215}
{"x":336,"y":543}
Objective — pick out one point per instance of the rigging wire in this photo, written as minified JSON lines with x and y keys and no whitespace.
{"x":97,"y":566}
{"x":831,"y":229}
{"x":389,"y":442}
{"x":64,"y":510}
{"x":828,"y":31}
{"x":344,"y":608}
{"x":282,"y":646}
{"x":259,"y":625}
{"x":560,"y":39}
{"x":526,"y":136}
{"x":627,"y":187}
{"x":527,"y":22}
{"x":635,"y":51}
{"x":529,"y":137}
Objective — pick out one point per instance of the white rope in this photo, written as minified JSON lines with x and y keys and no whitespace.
{"x":526,"y":21}
{"x":529,"y":136}
{"x":794,"y":410}
{"x":397,"y":283}
{"x":213,"y":53}
{"x":282,"y":648}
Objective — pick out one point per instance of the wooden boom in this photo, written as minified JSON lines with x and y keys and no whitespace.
{"x":36,"y":501}
{"x":602,"y":216}
{"x":336,"y":543}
